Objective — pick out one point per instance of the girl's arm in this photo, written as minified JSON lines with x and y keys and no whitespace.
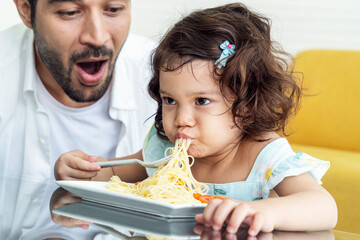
{"x":302,"y":205}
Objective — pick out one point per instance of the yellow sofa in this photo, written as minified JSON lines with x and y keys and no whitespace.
{"x":327,"y":125}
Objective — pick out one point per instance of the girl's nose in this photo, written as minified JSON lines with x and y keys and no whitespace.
{"x":184,"y":117}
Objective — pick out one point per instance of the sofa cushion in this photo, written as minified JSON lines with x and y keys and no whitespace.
{"x":329,"y":114}
{"x":342,"y":181}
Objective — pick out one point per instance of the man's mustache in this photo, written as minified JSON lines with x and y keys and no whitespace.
{"x":91,"y":52}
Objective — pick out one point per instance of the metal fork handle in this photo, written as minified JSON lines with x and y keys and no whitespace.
{"x":114,"y":163}
{"x":156,"y":163}
{"x":118,"y":162}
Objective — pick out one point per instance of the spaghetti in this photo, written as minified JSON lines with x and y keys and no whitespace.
{"x":172,"y":182}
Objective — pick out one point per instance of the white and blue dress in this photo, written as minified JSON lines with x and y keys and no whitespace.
{"x":275,"y":162}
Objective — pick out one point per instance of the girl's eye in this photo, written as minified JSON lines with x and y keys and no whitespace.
{"x":168,"y":101}
{"x":202,"y":101}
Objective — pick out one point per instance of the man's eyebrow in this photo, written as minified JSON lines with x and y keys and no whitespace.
{"x":60,"y":1}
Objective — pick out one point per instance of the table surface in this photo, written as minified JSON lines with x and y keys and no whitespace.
{"x":32,"y":209}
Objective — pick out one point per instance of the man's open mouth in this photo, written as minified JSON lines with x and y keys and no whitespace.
{"x":91,"y":72}
{"x":91,"y":67}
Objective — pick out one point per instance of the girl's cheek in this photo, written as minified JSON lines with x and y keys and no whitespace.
{"x":168,"y":133}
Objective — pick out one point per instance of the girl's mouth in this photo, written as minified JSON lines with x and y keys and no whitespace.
{"x":181,"y":135}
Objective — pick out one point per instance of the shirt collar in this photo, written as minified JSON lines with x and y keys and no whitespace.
{"x":30,"y":72}
{"x":123,"y":92}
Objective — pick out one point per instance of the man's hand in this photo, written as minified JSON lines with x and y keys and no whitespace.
{"x":76,"y":165}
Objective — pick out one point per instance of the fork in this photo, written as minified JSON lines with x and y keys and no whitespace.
{"x":153,"y":164}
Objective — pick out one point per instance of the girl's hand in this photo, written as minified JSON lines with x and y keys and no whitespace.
{"x":76,"y":165}
{"x":235,"y":214}
{"x":207,"y":233}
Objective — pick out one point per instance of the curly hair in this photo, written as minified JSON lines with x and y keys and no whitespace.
{"x":262,"y":87}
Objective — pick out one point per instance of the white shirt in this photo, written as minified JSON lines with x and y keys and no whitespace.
{"x":24,"y":123}
{"x":75,"y":126}
{"x":25,"y":130}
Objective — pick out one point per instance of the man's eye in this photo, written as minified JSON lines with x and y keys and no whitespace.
{"x":114,"y":10}
{"x":202,"y":101}
{"x":68,"y":13}
{"x":168,"y":101}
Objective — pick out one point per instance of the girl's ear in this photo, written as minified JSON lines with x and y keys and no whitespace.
{"x":24,"y":10}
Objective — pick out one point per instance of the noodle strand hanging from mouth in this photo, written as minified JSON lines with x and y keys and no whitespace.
{"x":172,"y":182}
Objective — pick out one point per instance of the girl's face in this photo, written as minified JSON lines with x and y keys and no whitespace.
{"x":193,"y":107}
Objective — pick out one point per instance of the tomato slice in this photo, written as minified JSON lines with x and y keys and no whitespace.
{"x":196,"y":195}
{"x":207,"y":198}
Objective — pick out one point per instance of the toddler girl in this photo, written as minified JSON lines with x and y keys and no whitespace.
{"x":219,"y":80}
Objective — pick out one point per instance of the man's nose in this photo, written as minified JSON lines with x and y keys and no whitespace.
{"x":185,"y":117}
{"x":94,"y":30}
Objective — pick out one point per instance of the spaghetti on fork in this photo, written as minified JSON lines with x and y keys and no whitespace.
{"x":172,"y":182}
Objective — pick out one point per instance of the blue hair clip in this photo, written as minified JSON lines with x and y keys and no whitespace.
{"x":228,"y":49}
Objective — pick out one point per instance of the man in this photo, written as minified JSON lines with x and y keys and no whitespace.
{"x":64,"y":85}
{"x":71,"y":78}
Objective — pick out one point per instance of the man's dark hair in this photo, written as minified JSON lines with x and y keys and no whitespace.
{"x":32,"y":8}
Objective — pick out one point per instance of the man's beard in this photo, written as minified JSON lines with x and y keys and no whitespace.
{"x":52,"y":60}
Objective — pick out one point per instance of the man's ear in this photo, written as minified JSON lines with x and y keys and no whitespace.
{"x":24,"y":10}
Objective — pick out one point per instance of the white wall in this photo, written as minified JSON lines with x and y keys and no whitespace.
{"x":297,"y":24}
{"x":8,"y":14}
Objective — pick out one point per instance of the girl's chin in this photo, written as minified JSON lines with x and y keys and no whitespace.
{"x":196,"y":150}
{"x":189,"y":152}
{"x":195,"y":154}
